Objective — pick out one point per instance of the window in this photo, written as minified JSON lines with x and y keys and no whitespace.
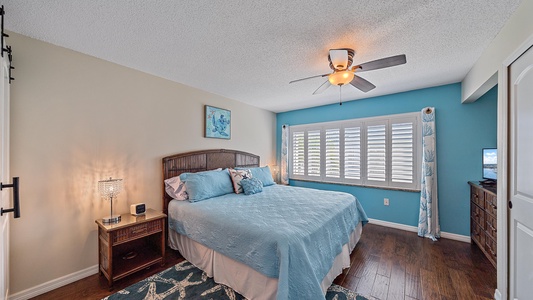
{"x":379,"y":151}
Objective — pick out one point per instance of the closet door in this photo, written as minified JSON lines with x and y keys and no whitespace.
{"x":521,"y":177}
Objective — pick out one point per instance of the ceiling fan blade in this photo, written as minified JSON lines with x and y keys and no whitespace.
{"x":323,"y":75}
{"x":322,"y":88}
{"x":362,"y":84}
{"x":381,"y":63}
{"x":338,"y":59}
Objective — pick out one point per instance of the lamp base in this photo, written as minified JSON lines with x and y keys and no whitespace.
{"x":111,"y":219}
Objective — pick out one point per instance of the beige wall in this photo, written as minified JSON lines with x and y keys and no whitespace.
{"x":77,"y":119}
{"x":483,"y":75}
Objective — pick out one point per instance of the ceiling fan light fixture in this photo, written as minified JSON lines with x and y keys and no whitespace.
{"x":340,"y":77}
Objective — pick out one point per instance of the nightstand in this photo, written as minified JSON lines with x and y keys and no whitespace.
{"x":131,"y":245}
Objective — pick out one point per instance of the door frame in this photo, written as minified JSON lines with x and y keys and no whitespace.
{"x":502,"y":263}
{"x":5,"y":172}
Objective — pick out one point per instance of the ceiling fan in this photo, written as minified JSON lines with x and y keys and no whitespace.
{"x":340,"y":61}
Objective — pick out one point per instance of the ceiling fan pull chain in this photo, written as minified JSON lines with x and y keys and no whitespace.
{"x":340,"y":94}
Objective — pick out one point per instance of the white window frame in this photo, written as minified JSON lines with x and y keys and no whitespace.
{"x":363,"y":124}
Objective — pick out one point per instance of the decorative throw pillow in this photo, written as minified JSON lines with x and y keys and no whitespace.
{"x":252,"y":186}
{"x":237,"y":176}
{"x":262,"y":173}
{"x":175,"y":188}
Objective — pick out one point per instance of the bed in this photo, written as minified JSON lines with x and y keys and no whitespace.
{"x":281,"y":243}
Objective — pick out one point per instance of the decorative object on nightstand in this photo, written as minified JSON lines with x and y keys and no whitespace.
{"x":109,"y":189}
{"x":138,"y":209}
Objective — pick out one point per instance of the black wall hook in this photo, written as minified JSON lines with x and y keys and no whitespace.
{"x":2,"y":35}
{"x":10,"y":56}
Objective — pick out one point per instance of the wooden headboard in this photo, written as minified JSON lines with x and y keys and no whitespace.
{"x":204,"y":160}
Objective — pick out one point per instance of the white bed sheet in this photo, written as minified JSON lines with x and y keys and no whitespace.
{"x":243,"y":279}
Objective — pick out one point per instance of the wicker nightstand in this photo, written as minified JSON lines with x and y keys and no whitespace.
{"x":135,"y":243}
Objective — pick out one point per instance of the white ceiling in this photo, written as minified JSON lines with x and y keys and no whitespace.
{"x":250,"y":50}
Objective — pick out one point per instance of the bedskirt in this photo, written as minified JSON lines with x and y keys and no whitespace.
{"x":243,"y":279}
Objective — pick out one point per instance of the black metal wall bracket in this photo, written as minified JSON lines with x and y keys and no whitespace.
{"x":16,"y":204}
{"x":10,"y":56}
{"x":5,"y":48}
{"x":2,"y":35}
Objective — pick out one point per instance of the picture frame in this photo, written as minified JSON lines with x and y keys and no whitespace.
{"x":217,"y":123}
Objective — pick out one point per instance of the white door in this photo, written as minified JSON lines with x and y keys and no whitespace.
{"x":521,"y":177}
{"x":4,"y":178}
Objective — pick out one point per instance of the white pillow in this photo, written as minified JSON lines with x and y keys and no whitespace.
{"x":175,"y":188}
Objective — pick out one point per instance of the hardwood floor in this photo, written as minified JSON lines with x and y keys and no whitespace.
{"x":386,"y":264}
{"x":394,"y":264}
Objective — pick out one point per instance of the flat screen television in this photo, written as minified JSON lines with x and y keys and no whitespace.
{"x":490,"y":164}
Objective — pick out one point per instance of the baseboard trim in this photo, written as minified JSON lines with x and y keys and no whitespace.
{"x":70,"y":278}
{"x":497,"y":295}
{"x":446,"y":235}
{"x":54,"y":284}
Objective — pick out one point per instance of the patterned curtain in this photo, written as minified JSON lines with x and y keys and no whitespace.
{"x":428,"y":221}
{"x":285,"y":154}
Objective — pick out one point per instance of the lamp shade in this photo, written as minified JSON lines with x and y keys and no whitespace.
{"x":109,"y":188}
{"x":340,"y":77}
{"x":275,"y":172}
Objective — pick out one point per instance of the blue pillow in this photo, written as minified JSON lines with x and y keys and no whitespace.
{"x":205,"y":185}
{"x":183,"y":176}
{"x":261,"y":173}
{"x":252,"y":186}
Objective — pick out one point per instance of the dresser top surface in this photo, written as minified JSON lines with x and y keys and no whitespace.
{"x":489,"y":188}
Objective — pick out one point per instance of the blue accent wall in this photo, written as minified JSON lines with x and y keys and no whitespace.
{"x":462,"y":131}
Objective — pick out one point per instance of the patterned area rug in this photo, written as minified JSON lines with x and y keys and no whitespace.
{"x":185,"y":281}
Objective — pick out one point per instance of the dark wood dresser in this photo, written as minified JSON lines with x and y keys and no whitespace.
{"x":483,"y":212}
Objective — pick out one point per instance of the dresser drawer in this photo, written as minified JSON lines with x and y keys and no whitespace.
{"x":490,"y":226}
{"x":137,"y":231}
{"x":490,"y":248}
{"x":477,"y":196}
{"x":476,"y":233}
{"x":490,"y":204}
{"x":478,"y":215}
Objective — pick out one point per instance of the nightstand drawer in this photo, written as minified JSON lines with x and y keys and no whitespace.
{"x":137,"y":231}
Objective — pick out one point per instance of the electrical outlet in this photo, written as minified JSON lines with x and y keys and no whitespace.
{"x":386,"y":201}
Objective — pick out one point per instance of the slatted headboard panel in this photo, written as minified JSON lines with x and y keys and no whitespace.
{"x":204,"y":160}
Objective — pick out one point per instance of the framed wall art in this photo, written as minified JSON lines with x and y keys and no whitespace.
{"x":217,"y":123}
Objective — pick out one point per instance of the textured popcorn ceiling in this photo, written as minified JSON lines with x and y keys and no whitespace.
{"x":250,"y":50}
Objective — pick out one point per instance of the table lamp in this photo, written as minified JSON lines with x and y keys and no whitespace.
{"x":108,"y":189}
{"x":275,"y":172}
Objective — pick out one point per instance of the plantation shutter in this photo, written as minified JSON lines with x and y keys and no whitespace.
{"x":376,"y":152}
{"x":402,"y":156}
{"x":298,"y":153}
{"x":352,"y":153}
{"x":333,"y":153}
{"x":313,"y":153}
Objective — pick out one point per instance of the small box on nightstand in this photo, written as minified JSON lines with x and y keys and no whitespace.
{"x":138,"y":209}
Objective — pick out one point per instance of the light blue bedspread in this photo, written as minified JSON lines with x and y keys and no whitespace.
{"x":284,"y":232}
